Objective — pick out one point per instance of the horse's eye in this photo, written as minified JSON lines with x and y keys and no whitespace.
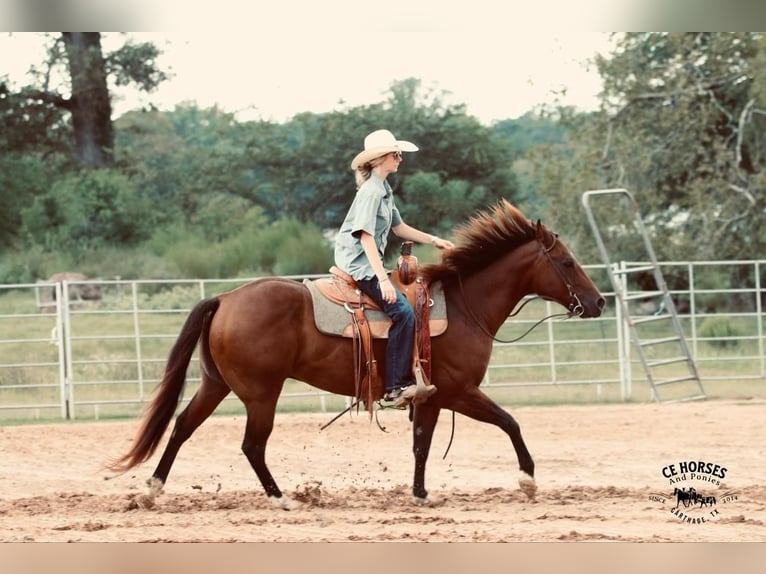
{"x":569,"y":263}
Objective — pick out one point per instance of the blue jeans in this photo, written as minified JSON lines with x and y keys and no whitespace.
{"x":401,"y":334}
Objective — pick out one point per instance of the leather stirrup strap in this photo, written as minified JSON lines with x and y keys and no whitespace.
{"x":365,"y":335}
{"x":421,"y":351}
{"x":358,"y":357}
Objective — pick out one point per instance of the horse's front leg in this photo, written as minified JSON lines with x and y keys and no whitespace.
{"x":423,"y":424}
{"x":475,"y":404}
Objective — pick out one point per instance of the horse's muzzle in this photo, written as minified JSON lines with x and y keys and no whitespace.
{"x":592,"y":308}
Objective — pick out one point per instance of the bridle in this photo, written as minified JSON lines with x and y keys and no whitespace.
{"x":574,"y":309}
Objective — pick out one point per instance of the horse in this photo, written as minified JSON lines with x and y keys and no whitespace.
{"x":692,"y":497}
{"x":686,"y":497}
{"x":251,"y":339}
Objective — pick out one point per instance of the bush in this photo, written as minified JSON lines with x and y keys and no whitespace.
{"x":31,"y":265}
{"x":721,"y":332}
{"x":90,"y":209}
{"x":113,"y":262}
{"x":290,"y":247}
{"x":302,"y":256}
{"x":286,"y":247}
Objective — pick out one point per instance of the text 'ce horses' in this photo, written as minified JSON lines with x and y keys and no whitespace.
{"x":255,"y":337}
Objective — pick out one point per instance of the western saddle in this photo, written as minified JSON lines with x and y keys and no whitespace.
{"x":341,"y":289}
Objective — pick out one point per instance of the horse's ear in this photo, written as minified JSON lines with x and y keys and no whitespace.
{"x":539,"y":229}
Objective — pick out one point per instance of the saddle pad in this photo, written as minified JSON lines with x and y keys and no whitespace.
{"x":333,"y":319}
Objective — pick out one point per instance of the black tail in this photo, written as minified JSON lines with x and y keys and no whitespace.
{"x":163,"y":407}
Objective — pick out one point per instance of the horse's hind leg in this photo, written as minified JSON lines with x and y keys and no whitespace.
{"x":209,"y":395}
{"x":475,"y":404}
{"x":260,"y":423}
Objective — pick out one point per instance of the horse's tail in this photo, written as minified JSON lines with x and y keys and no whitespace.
{"x":163,"y":407}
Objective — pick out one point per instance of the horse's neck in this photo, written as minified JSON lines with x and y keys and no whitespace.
{"x":494,"y":292}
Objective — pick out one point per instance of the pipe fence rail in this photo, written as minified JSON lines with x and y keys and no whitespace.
{"x":97,"y":348}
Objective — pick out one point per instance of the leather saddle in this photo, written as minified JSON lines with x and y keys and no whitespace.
{"x":342,"y":309}
{"x":336,"y":297}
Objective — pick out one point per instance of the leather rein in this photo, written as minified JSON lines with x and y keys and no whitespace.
{"x":574,"y":309}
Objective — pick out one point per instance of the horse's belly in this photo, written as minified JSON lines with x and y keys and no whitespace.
{"x":266,"y":331}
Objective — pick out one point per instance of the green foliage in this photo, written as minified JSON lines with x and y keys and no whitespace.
{"x":31,"y":265}
{"x":685,"y":132}
{"x":31,"y":126}
{"x":112,"y":262}
{"x":195,"y":191}
{"x":528,"y":132}
{"x":89,"y":209}
{"x":67,"y":107}
{"x":721,"y":331}
{"x":221,"y":216}
{"x":285,"y":247}
{"x":290,"y":247}
{"x":196,"y":258}
{"x":303,"y":255}
{"x":185,"y":159}
{"x":135,"y":63}
{"x":440,"y":205}
{"x":22,"y":178}
{"x":302,"y":168}
{"x":559,"y":173}
{"x":681,"y":128}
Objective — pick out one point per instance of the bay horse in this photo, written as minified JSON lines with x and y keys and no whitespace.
{"x":253,"y":338}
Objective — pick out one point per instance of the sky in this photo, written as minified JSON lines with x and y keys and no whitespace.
{"x":317,"y":60}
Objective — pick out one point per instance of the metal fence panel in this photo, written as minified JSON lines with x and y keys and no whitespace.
{"x":75,"y":358}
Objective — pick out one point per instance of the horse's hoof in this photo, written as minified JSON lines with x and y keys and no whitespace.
{"x":155,"y":484}
{"x":144,"y":501}
{"x":528,"y":485}
{"x":427,"y":500}
{"x":284,"y":502}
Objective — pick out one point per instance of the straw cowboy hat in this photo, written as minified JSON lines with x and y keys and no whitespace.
{"x":379,"y":143}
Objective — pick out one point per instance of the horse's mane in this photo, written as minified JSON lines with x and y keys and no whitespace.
{"x":482,"y":240}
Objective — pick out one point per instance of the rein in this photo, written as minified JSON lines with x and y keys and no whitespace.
{"x":575,"y":307}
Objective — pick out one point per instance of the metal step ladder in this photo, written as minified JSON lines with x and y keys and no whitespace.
{"x":657,"y":337}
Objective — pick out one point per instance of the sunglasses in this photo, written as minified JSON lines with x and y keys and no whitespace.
{"x":397,"y":155}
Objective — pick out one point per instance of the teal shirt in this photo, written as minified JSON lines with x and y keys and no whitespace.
{"x":373,"y":210}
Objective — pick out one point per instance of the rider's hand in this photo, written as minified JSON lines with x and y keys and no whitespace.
{"x":387,"y":290}
{"x":440,"y":243}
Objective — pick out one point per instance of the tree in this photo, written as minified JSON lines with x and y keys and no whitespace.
{"x":681,"y":127}
{"x":302,"y":168}
{"x":529,"y":131}
{"x":184,"y":158}
{"x":89,"y":103}
{"x":86,"y":96}
{"x":688,"y":101}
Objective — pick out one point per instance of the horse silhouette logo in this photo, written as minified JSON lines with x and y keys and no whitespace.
{"x":694,"y":502}
{"x":691,"y":497}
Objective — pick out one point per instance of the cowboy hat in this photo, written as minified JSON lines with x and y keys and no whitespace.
{"x":379,"y":143}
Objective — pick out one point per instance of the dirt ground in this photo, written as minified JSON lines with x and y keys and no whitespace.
{"x":603,"y":474}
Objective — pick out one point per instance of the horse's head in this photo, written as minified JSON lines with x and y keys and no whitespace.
{"x":563,"y":280}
